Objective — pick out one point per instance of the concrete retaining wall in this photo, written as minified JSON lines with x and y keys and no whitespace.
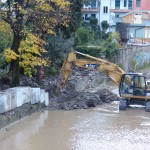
{"x":17,"y":96}
{"x":126,"y":56}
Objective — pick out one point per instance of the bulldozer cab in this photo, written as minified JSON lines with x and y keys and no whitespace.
{"x":133,"y":85}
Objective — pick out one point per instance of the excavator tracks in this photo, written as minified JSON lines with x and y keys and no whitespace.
{"x":122,"y":104}
{"x":148,"y":106}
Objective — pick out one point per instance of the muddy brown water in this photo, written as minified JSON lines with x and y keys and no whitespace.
{"x":100,"y":128}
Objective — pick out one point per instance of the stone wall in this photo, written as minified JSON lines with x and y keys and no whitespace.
{"x":126,"y":57}
{"x":15,"y":97}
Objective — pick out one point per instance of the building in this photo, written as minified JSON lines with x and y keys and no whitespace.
{"x":111,"y":10}
{"x":91,"y":10}
{"x":134,"y":12}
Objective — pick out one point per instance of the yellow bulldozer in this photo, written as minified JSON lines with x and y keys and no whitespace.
{"x":133,"y":87}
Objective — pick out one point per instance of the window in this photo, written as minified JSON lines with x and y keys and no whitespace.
{"x":93,"y":4}
{"x":130,"y":4}
{"x":125,"y":3}
{"x":138,"y":3}
{"x":93,"y":15}
{"x":86,"y":16}
{"x":116,"y":15}
{"x":105,"y":9}
{"x":117,"y":4}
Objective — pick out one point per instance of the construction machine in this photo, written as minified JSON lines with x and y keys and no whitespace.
{"x":133,"y":87}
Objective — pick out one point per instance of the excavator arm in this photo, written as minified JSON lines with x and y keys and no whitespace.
{"x":91,"y":63}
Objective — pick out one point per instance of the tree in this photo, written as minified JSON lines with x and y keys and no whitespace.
{"x":6,"y":38}
{"x":83,"y":36}
{"x":43,"y":16}
{"x":30,"y":51}
{"x":93,"y":23}
{"x":104,"y":25}
{"x":57,"y":47}
{"x":111,"y":45}
{"x":75,"y":19}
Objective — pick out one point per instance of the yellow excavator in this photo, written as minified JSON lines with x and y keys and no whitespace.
{"x":133,"y":87}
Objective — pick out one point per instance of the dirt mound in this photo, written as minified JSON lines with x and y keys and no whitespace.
{"x":84,"y":99}
{"x":79,"y":91}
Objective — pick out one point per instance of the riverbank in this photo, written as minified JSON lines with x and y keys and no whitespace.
{"x":19,"y":113}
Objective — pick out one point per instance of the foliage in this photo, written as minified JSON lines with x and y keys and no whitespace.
{"x":39,"y":17}
{"x":57,"y":48}
{"x":41,"y":21}
{"x":93,"y":23}
{"x":111,"y":45}
{"x":104,"y":25}
{"x":30,"y":52}
{"x":6,"y":36}
{"x":108,"y":47}
{"x":10,"y":55}
{"x":75,"y":18}
{"x":83,"y":36}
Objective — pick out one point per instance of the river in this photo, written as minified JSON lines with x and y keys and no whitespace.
{"x":99,"y":128}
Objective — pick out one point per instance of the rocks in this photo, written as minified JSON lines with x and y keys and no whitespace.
{"x":78,"y":92}
{"x":81,"y":100}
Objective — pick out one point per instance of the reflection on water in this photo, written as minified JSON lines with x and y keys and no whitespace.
{"x":100,"y":128}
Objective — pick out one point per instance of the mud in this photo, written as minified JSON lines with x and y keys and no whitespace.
{"x":19,"y":113}
{"x":83,"y":90}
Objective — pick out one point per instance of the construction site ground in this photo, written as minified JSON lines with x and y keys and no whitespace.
{"x":83,"y":90}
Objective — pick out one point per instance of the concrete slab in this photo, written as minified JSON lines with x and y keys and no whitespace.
{"x":35,"y":95}
{"x":5,"y":102}
{"x":26,"y":93}
{"x":18,"y":96}
{"x":46,"y":99}
{"x":42,"y":98}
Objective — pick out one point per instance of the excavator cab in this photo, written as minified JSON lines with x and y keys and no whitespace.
{"x":133,"y":90}
{"x":133,"y":84}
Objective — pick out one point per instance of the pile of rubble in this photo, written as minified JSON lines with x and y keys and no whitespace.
{"x":82,"y":91}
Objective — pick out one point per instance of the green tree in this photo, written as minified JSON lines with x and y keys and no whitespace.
{"x":6,"y":38}
{"x":111,"y":45}
{"x":83,"y":36}
{"x":57,"y":47}
{"x":104,"y":25}
{"x":93,"y":23}
{"x":75,"y":16}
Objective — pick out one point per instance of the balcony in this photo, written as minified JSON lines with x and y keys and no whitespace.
{"x":95,"y":10}
{"x":120,"y":10}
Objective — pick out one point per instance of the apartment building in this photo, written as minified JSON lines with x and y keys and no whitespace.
{"x":91,"y":9}
{"x":111,"y":10}
{"x":108,"y":10}
{"x":134,"y":12}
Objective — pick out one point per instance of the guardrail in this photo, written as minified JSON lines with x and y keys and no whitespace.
{"x":17,"y":96}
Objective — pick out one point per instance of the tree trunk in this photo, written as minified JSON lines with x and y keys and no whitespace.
{"x":17,"y":28}
{"x":15,"y":64}
{"x":38,"y":79}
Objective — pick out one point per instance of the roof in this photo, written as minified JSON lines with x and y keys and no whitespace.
{"x":126,"y":14}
